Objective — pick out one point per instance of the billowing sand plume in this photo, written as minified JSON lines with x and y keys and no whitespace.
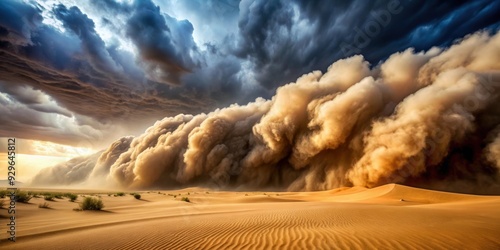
{"x":420,"y":118}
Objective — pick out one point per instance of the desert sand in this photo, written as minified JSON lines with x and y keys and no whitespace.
{"x":387,"y":217}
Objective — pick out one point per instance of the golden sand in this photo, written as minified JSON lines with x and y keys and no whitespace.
{"x":386,"y":217}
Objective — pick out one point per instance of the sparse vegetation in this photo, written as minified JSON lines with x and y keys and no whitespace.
{"x":137,"y":196}
{"x":44,"y":205}
{"x":90,"y":203}
{"x":175,"y":196}
{"x":120,"y":194}
{"x":48,"y":197}
{"x":109,"y":194}
{"x":22,"y":196}
{"x":3,"y":193}
{"x":246,"y":194}
{"x":186,"y":199}
{"x":206,"y":192}
{"x":72,"y":197}
{"x":189,"y":193}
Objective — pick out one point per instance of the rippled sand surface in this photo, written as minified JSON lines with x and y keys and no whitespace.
{"x":387,"y":217}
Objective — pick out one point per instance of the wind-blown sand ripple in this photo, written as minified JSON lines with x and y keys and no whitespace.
{"x":339,"y":219}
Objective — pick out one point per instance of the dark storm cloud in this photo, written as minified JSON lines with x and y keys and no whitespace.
{"x":286,"y":39}
{"x":433,"y":23}
{"x":165,"y":45}
{"x":12,"y":30}
{"x":111,"y":6}
{"x":152,"y":67}
{"x":218,"y":78}
{"x":92,"y":44}
{"x":93,"y":83}
{"x":170,"y":55}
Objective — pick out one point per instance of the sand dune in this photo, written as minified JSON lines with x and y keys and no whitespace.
{"x":346,"y":218}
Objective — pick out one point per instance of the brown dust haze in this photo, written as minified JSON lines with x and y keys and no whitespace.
{"x":428,"y":119}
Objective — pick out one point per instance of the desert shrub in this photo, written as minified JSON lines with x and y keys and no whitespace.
{"x":189,"y":193}
{"x":2,"y":203}
{"x":206,"y":192}
{"x":58,"y":196}
{"x":48,"y":197}
{"x":137,"y":196}
{"x":72,"y":197}
{"x":120,"y":194}
{"x":3,"y":193}
{"x":90,"y":203}
{"x":186,"y":199}
{"x":44,"y":205}
{"x":175,"y":196}
{"x":22,"y":196}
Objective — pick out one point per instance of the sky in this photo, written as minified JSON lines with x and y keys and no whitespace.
{"x":77,"y":75}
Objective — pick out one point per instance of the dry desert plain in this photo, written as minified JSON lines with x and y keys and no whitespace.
{"x":386,"y":217}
